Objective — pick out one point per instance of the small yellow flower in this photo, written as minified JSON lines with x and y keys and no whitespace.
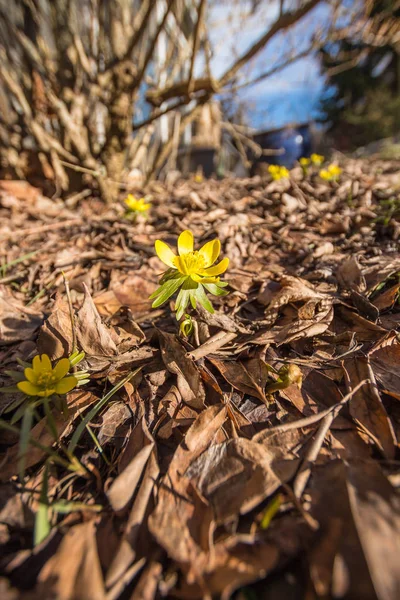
{"x":324,"y":174}
{"x":317,"y":159}
{"x":198,"y":176}
{"x":44,"y":380}
{"x":332,"y":173}
{"x":278,"y":172}
{"x":193,"y":271}
{"x":334,"y":170}
{"x":193,"y":263}
{"x":304,"y":161}
{"x":136,"y":205}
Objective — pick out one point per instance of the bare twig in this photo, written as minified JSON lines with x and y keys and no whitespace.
{"x":284,"y":21}
{"x":196,"y":41}
{"x":41,"y":229}
{"x":304,"y":473}
{"x":213,"y":344}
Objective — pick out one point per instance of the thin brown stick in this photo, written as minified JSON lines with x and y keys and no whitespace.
{"x":282,"y":22}
{"x":71,"y":313}
{"x":42,"y":229}
{"x":153,"y":43}
{"x":304,"y":472}
{"x":196,"y":42}
{"x":213,"y":344}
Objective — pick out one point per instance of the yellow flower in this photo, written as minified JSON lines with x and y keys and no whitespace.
{"x":191,"y":270}
{"x":317,"y":159}
{"x":324,"y":174}
{"x":44,"y":380}
{"x":198,"y":176}
{"x":334,"y":170}
{"x":332,"y":173}
{"x":304,"y":161}
{"x":136,"y":205}
{"x":278,"y":172}
{"x":193,"y":263}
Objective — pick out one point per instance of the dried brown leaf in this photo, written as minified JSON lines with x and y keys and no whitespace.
{"x":74,"y":571}
{"x":366,"y":406}
{"x":17,"y":322}
{"x":176,"y":360}
{"x":250,"y":377}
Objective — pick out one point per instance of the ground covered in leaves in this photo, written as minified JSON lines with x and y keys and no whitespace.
{"x":187,"y":468}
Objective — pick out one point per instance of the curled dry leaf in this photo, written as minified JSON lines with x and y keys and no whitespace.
{"x":250,"y":377}
{"x":293,"y":289}
{"x":123,"y":487}
{"x":176,"y":360}
{"x":385,"y":362}
{"x":235,"y":476}
{"x":182,"y":521}
{"x":74,"y":571}
{"x":366,"y":406}
{"x":17,"y":322}
{"x":359,"y":541}
{"x":55,"y":337}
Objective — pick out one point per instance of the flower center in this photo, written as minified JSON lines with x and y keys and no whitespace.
{"x":190,"y":263}
{"x":46,"y":380}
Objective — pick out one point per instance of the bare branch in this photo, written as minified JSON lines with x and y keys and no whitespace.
{"x":196,"y":41}
{"x":282,"y":22}
{"x":150,"y":51}
{"x":143,"y":19}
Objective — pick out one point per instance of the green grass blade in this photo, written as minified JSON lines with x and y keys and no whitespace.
{"x":24,"y":436}
{"x":42,"y":522}
{"x":92,"y":413}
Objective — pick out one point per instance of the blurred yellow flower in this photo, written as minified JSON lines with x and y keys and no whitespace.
{"x":138,"y":205}
{"x":304,"y":161}
{"x":278,"y":172}
{"x":44,"y":380}
{"x":198,"y":176}
{"x":332,"y":173}
{"x":190,"y":270}
{"x":317,"y":159}
{"x":335,"y":170}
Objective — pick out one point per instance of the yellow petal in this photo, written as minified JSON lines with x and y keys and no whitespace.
{"x":218,"y":269}
{"x":30,"y":374}
{"x":62,"y":368}
{"x":210,"y":252}
{"x":37,"y":364}
{"x":165,"y":253}
{"x":185,"y":242}
{"x":181,"y":265}
{"x":28,"y":388}
{"x":46,"y":393}
{"x":66,"y":385}
{"x":46,"y":364}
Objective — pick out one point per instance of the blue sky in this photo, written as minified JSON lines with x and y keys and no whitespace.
{"x":291,"y":95}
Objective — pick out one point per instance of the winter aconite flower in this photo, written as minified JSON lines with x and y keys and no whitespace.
{"x":304,"y":163}
{"x":191,"y":270}
{"x":332,"y":173}
{"x":136,"y":205}
{"x":317,"y":159}
{"x":43,"y":380}
{"x":278,"y":172}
